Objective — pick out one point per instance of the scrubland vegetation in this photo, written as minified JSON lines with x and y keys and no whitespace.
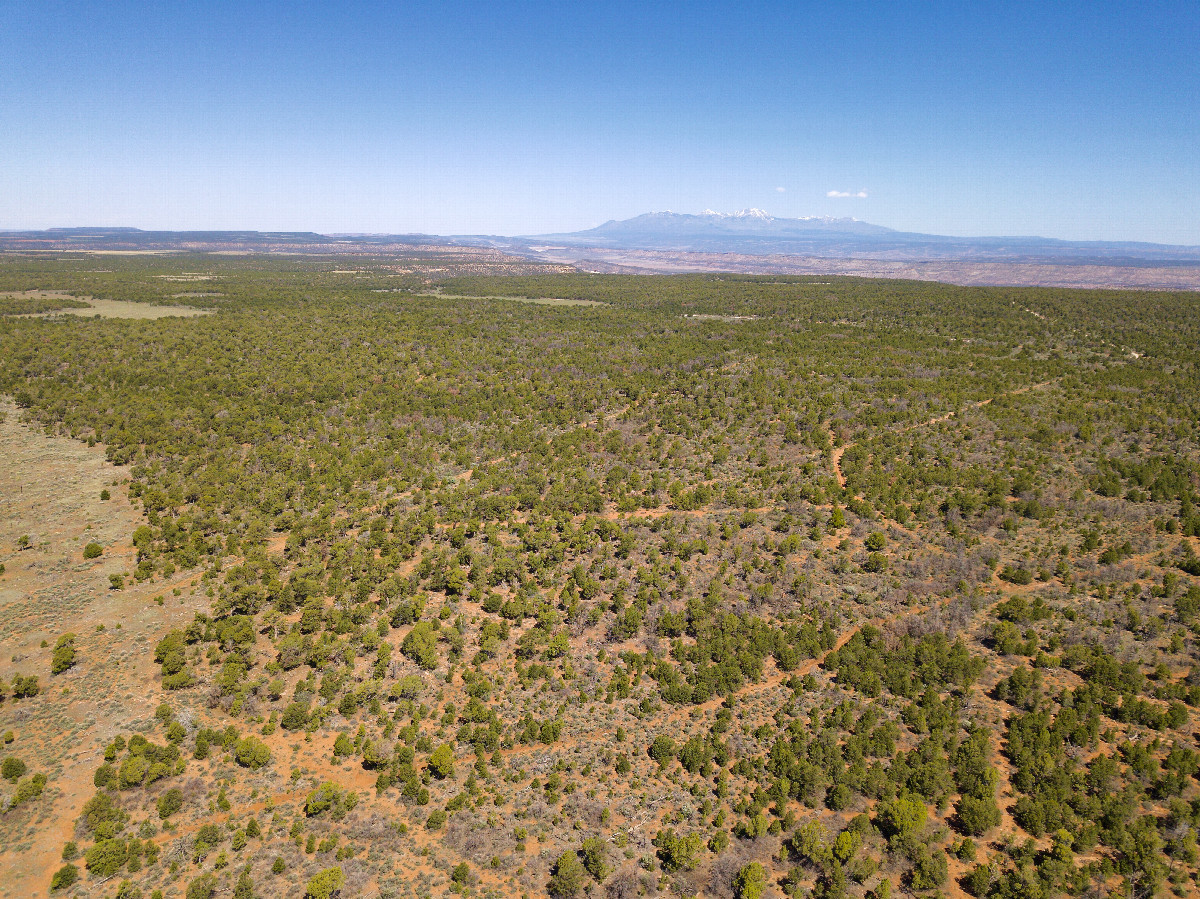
{"x":730,"y":586}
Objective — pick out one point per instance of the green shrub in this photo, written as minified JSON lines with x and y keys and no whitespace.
{"x":107,"y":857}
{"x":64,"y":654}
{"x":93,"y":551}
{"x":977,"y":815}
{"x":662,"y":750}
{"x":568,"y":878}
{"x":25,"y":686}
{"x":930,"y":870}
{"x":323,"y":884}
{"x":133,"y":771}
{"x":441,"y":762}
{"x":29,"y":788}
{"x":12,"y":768}
{"x":678,"y":853}
{"x":875,"y":563}
{"x":903,"y":818}
{"x":295,"y":716}
{"x":750,"y":881}
{"x":251,"y":753}
{"x":329,"y":797}
{"x":1019,"y":576}
{"x":101,"y":812}
{"x":244,"y":888}
{"x":420,"y":645}
{"x":64,"y":877}
{"x":169,"y":803}
{"x":595,"y":857}
{"x":178,"y":681}
{"x":202,"y":887}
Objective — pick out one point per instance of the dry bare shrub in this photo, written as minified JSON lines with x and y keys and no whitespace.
{"x":357,"y":877}
{"x":581,"y":808}
{"x":622,"y":885}
{"x":475,"y":842}
{"x":1112,"y":642}
{"x":367,"y":828}
{"x":293,"y":856}
{"x":216,"y":699}
{"x":725,"y":867}
{"x":193,"y":789}
{"x":917,"y":571}
{"x":949,"y":619}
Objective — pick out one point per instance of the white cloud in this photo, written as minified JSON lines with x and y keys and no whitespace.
{"x":781,"y":190}
{"x":842,"y":194}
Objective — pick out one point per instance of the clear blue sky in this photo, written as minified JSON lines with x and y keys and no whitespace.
{"x":1078,"y":120}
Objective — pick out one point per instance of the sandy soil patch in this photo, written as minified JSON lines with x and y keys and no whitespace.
{"x":51,"y":488}
{"x":701,"y":316}
{"x":540,"y":301}
{"x":40,"y":294}
{"x":125,"y":309}
{"x":121,"y":252}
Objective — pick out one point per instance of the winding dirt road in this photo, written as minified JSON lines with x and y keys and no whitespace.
{"x":839,"y":451}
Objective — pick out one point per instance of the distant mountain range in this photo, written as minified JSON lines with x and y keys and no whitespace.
{"x":754,"y":232}
{"x":135,"y":239}
{"x":750,"y":241}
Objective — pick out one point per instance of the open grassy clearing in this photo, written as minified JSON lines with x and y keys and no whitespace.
{"x":47,"y":303}
{"x":537,"y":301}
{"x":51,"y":488}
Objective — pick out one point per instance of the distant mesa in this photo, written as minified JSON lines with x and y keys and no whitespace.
{"x":755,"y":232}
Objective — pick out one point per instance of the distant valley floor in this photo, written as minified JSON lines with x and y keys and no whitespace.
{"x":1019,"y":274}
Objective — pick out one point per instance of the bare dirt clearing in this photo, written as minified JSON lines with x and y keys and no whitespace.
{"x":111,"y":308}
{"x":51,"y":492}
{"x":731,"y":319}
{"x":537,"y":301}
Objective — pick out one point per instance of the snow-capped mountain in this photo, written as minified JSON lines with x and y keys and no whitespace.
{"x":743,"y":223}
{"x":755,"y":232}
{"x":741,"y":214}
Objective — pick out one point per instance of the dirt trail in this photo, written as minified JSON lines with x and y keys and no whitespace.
{"x":839,"y":451}
{"x":51,"y":493}
{"x":771,"y":681}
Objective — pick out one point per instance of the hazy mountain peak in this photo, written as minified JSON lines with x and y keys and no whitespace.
{"x":716,"y":231}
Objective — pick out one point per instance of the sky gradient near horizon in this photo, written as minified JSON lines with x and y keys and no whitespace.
{"x":1075,"y":120}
